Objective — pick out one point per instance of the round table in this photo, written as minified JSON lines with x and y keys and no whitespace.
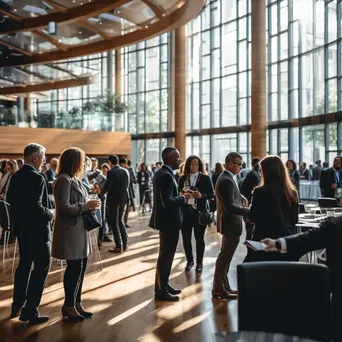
{"x":260,"y":336}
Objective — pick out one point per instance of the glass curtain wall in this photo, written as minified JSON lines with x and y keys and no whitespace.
{"x":63,"y":108}
{"x":304,"y":76}
{"x":219,"y":43}
{"x":147,"y":87}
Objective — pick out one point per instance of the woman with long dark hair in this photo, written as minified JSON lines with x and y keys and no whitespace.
{"x":293,"y":172}
{"x":195,"y":180}
{"x":218,"y":170}
{"x":70,"y":237}
{"x":274,"y":208}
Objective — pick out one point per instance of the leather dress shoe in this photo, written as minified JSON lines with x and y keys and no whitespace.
{"x":222,"y":294}
{"x":127,"y":226}
{"x":166,"y":297}
{"x":15,"y":311}
{"x":32,"y":317}
{"x":199,"y":267}
{"x":116,"y":250}
{"x":189,"y":266}
{"x":82,"y":312}
{"x":233,"y":292}
{"x":71,"y":318}
{"x":125,"y":248}
{"x":173,"y":291}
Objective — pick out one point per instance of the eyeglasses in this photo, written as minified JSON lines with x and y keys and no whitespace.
{"x":237,"y":163}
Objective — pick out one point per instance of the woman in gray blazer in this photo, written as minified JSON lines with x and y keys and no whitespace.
{"x":70,"y":237}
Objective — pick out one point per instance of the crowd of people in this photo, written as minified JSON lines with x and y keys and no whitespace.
{"x":185,"y":195}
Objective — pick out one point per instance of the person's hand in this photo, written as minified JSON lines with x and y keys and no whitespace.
{"x":333,"y":186}
{"x":187,"y":195}
{"x":94,"y":204}
{"x":197,"y":194}
{"x":270,"y":245}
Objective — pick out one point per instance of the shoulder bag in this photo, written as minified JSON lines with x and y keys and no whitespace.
{"x":92,"y":220}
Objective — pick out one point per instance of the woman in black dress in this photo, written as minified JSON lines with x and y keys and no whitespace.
{"x":274,"y":208}
{"x":199,"y":183}
{"x":144,"y":179}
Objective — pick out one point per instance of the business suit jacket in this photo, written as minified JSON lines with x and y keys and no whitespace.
{"x":133,"y":180}
{"x":167,"y":208}
{"x":327,"y":179}
{"x":229,"y":206}
{"x":204,"y":186}
{"x":248,"y":184}
{"x":5,"y":221}
{"x":272,"y":216}
{"x":28,"y":197}
{"x":316,"y":172}
{"x":117,"y":186}
{"x":305,"y":173}
{"x":70,"y":238}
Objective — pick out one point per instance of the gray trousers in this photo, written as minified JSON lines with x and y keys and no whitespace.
{"x":228,"y":247}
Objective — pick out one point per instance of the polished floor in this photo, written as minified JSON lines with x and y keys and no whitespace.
{"x":121,"y":296}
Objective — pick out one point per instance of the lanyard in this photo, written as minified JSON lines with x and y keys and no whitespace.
{"x":192,"y":184}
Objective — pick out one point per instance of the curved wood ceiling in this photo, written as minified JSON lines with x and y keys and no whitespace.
{"x":84,"y":27}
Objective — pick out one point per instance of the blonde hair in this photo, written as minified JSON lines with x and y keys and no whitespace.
{"x":71,"y":162}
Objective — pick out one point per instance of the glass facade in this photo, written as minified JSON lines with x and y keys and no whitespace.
{"x":304,"y":75}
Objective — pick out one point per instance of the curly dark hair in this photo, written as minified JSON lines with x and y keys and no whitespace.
{"x":71,"y":162}
{"x":201,"y":167}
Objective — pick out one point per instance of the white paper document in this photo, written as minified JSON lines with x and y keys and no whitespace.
{"x":255,"y":245}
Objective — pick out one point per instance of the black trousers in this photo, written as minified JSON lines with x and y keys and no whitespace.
{"x":190,"y":222}
{"x":168,"y":241}
{"x":142,"y":189}
{"x":116,"y":221}
{"x":73,"y":281}
{"x":29,"y":285}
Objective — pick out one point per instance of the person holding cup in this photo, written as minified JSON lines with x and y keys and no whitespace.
{"x":70,"y":238}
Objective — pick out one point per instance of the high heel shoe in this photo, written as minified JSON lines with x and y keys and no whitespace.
{"x":85,"y":314}
{"x":71,"y":318}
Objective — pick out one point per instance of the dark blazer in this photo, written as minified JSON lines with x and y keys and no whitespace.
{"x":328,"y":178}
{"x":248,"y":184}
{"x":133,"y":180}
{"x":294,"y":176}
{"x":5,"y":221}
{"x":316,"y":172}
{"x":214,"y":178}
{"x":306,"y":174}
{"x":272,"y":217}
{"x":229,"y":206}
{"x":147,"y":176}
{"x":50,"y":175}
{"x":117,"y":186}
{"x":28,"y":197}
{"x":167,"y":213}
{"x":204,"y":186}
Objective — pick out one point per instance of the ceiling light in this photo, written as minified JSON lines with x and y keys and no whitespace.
{"x":118,"y":12}
{"x":80,"y":32}
{"x":15,"y":10}
{"x":100,"y":22}
{"x":146,"y":26}
{"x":73,"y":1}
{"x":164,"y":14}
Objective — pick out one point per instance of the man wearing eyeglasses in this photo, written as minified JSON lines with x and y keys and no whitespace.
{"x":30,"y":216}
{"x":231,"y":206}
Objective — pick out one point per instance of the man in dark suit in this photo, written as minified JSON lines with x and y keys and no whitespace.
{"x":247,"y":186}
{"x":304,"y":173}
{"x":50,"y":174}
{"x":167,"y":217}
{"x":117,"y":188}
{"x":231,"y":206}
{"x":331,"y":179}
{"x":328,"y":236}
{"x":317,"y":170}
{"x":30,"y":217}
{"x":132,"y":180}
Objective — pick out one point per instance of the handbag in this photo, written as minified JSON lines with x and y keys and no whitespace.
{"x":206,"y":217}
{"x":92,"y":220}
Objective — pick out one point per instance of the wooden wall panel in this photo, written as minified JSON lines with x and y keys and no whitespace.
{"x":95,"y":143}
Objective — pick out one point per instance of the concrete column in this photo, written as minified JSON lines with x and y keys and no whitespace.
{"x":180,"y":49}
{"x":259,"y":109}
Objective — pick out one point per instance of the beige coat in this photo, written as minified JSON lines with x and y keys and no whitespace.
{"x":70,"y":238}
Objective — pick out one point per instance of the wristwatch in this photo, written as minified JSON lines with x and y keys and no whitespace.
{"x":278,"y":245}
